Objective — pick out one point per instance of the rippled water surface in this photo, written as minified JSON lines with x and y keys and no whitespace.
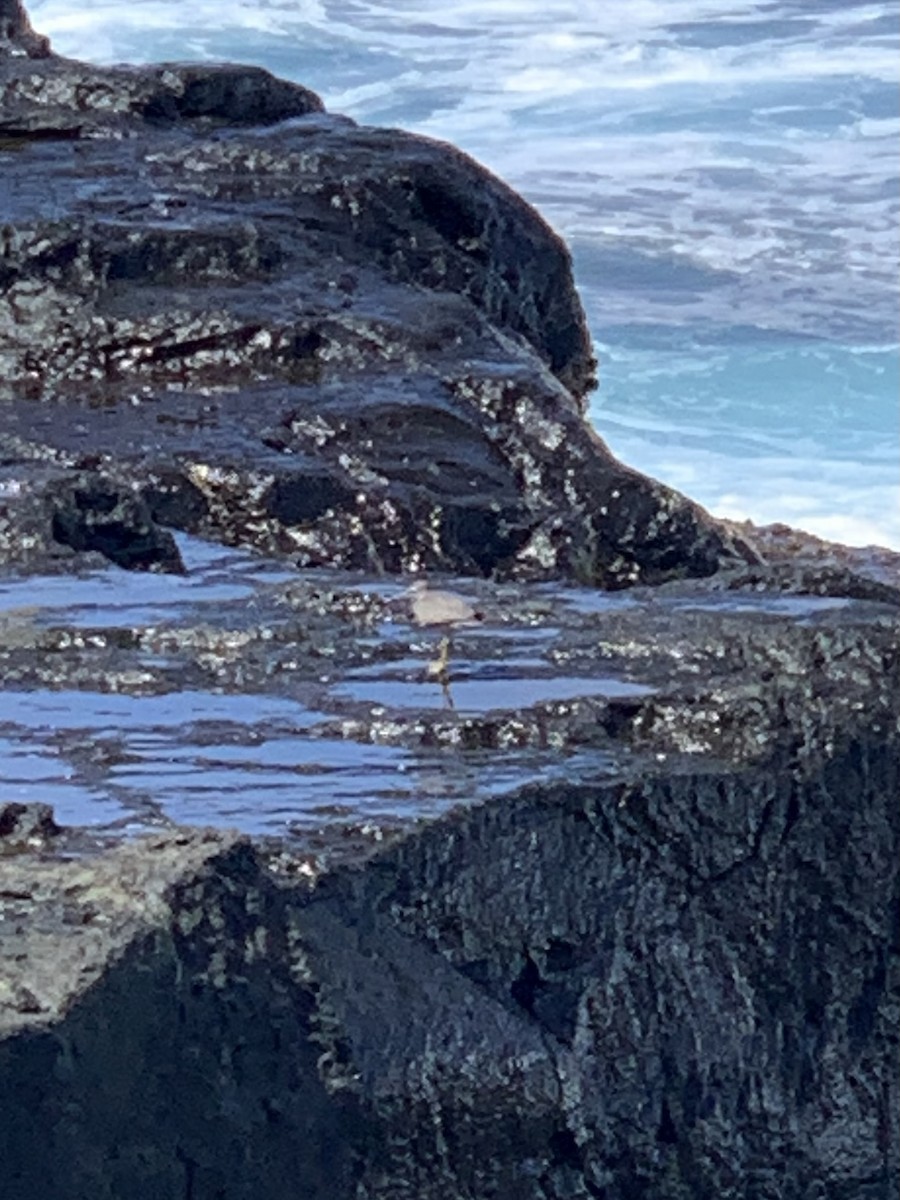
{"x":235,"y":721}
{"x":265,"y":763}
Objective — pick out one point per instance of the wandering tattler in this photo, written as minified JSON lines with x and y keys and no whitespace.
{"x":434,"y":608}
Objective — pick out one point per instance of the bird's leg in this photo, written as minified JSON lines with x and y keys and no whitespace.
{"x":440,"y":668}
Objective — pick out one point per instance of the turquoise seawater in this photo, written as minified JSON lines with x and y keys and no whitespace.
{"x":725,"y":171}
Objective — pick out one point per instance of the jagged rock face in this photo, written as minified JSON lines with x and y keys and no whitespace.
{"x":16,"y":35}
{"x":671,"y":988}
{"x":348,"y":345}
{"x":668,"y":968}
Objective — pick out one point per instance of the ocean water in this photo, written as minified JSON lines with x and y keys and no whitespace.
{"x":725,"y":172}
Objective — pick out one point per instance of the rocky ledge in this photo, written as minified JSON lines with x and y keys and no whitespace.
{"x":666,"y":967}
{"x":252,"y":320}
{"x":662,"y":959}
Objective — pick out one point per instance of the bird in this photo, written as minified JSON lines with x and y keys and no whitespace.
{"x":434,"y":608}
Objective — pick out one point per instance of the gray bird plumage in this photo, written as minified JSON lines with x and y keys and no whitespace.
{"x":433,"y":606}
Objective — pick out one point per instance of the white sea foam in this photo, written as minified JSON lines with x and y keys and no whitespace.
{"x":819,"y":496}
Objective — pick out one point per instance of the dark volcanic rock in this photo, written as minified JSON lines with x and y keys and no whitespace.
{"x":673,"y":986}
{"x":16,"y":35}
{"x":60,"y":99}
{"x":673,"y":976}
{"x":93,"y":514}
{"x":25,"y":826}
{"x":349,"y":345}
{"x":666,"y":968}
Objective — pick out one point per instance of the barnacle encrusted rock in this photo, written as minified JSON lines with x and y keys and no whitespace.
{"x":667,"y":967}
{"x":352,"y":346}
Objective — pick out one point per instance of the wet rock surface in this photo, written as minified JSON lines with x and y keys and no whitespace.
{"x":16,"y":35}
{"x":608,"y":911}
{"x":613,"y":910}
{"x":347,"y":345}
